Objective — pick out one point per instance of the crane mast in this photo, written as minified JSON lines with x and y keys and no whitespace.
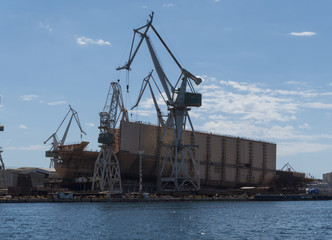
{"x":106,"y":176}
{"x":2,"y":165}
{"x":183,"y":159}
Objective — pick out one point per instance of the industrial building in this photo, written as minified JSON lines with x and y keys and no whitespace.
{"x":22,"y":181}
{"x":327,"y":177}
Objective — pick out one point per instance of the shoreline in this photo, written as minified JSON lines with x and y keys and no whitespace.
{"x":170,"y":199}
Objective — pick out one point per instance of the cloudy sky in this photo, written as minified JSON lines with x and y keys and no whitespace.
{"x":266,"y":67}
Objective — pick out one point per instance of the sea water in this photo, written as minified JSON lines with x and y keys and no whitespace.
{"x":167,"y":220}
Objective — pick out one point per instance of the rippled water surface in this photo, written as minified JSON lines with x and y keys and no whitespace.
{"x":167,"y":220}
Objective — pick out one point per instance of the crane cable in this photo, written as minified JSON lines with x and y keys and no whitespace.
{"x":128,"y":100}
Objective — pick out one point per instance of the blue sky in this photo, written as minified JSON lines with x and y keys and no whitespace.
{"x":266,"y":67}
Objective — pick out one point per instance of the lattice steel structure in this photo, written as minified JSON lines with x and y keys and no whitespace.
{"x":107,"y":176}
{"x":2,"y":165}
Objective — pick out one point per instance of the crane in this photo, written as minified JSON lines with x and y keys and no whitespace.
{"x":146,"y":82}
{"x":107,"y":176}
{"x":183,"y":158}
{"x":52,"y":153}
{"x":2,"y":165}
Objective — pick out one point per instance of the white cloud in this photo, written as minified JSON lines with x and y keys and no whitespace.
{"x":23,"y":126}
{"x":293,"y":82}
{"x":302,"y":34}
{"x":57,"y":103}
{"x":28,"y":148}
{"x":45,"y":26}
{"x":89,"y":124}
{"x":168,"y":5}
{"x":254,"y":88}
{"x":292,"y":148}
{"x":318,"y":105}
{"x":144,"y":6}
{"x":28,"y":97}
{"x":253,"y":105}
{"x":305,"y":126}
{"x":86,"y":41}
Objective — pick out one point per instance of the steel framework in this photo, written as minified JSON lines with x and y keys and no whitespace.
{"x":107,"y":176}
{"x":2,"y":168}
{"x":2,"y":165}
{"x":52,"y":153}
{"x":183,"y":159}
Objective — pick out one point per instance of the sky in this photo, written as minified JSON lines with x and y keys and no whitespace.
{"x":265,"y":65}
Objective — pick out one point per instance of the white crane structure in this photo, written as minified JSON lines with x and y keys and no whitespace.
{"x":183,"y":159}
{"x":52,"y":153}
{"x":107,"y":176}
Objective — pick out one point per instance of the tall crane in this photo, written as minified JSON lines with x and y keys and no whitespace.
{"x":2,"y":165}
{"x":183,"y":158}
{"x":146,"y":82}
{"x":107,"y":176}
{"x":52,"y":153}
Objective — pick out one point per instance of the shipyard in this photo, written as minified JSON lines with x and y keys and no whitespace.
{"x":163,"y":119}
{"x":167,"y":160}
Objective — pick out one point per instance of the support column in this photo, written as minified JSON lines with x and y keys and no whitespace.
{"x":2,"y":169}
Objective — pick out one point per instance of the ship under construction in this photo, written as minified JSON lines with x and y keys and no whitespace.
{"x":225,"y":161}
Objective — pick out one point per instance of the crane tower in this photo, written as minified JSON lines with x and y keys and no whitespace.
{"x":180,"y":166}
{"x":2,"y":165}
{"x":107,"y":176}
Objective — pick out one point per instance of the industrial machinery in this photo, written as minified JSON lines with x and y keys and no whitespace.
{"x":107,"y":176}
{"x":2,"y":165}
{"x":52,"y":153}
{"x":183,"y":159}
{"x":146,"y":81}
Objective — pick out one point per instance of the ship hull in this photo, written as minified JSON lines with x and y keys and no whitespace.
{"x":224,"y":161}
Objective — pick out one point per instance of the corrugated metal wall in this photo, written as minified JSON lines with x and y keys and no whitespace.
{"x":225,"y":161}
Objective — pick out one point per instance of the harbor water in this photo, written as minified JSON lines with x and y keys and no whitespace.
{"x":167,"y":220}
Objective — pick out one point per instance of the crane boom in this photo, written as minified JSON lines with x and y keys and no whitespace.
{"x":162,"y":77}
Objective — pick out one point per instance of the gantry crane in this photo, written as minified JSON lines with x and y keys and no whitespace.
{"x":183,"y":158}
{"x":107,"y":176}
{"x":52,"y":153}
